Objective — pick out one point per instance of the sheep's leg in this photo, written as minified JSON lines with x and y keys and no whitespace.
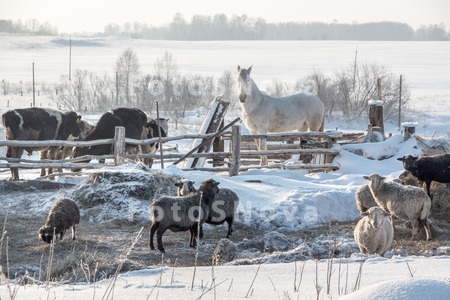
{"x":426,"y":225}
{"x":230,"y":226}
{"x":159,"y":234}
{"x":73,"y":233}
{"x":428,"y":185}
{"x":201,"y":232}
{"x":415,"y":227}
{"x":362,"y":249}
{"x":152,"y":234}
{"x":193,"y":240}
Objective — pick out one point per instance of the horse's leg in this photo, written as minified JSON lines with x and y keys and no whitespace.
{"x":263,"y":147}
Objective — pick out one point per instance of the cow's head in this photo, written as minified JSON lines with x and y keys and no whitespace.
{"x":70,"y":125}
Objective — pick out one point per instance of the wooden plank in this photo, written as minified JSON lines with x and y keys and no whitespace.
{"x":119,"y":145}
{"x":211,"y":124}
{"x":235,"y":151}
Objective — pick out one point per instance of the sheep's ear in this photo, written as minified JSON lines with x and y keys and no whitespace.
{"x":364,"y":214}
{"x":400,"y":159}
{"x":382,"y":178}
{"x":366,"y":177}
{"x":239,"y":68}
{"x":178,"y":184}
{"x":249,"y":69}
{"x":216,"y":183}
{"x":415,"y":158}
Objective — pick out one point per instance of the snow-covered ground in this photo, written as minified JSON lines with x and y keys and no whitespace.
{"x":284,"y":200}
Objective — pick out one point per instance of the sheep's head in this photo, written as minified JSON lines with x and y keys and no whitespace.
{"x":46,"y":234}
{"x":409,"y":162}
{"x":375,"y":180}
{"x":185,"y":186}
{"x":209,"y":186}
{"x":376,"y":216}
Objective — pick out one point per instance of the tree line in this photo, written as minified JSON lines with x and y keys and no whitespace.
{"x":31,"y":26}
{"x":243,"y":27}
{"x":345,"y":93}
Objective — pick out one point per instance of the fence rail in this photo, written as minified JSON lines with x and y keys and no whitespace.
{"x":233,"y":166}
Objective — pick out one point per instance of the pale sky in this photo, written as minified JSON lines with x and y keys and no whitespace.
{"x":92,"y":15}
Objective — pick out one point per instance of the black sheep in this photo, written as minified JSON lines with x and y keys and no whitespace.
{"x":428,"y":168}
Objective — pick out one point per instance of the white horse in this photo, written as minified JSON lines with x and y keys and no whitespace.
{"x":264,"y":114}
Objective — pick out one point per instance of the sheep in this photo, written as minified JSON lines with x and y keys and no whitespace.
{"x":64,"y":214}
{"x":403,"y":202}
{"x":374,"y":232}
{"x":364,"y":198}
{"x":428,"y":168}
{"x":184,"y":187}
{"x":225,"y":251}
{"x":222,"y":209}
{"x":181,"y":213}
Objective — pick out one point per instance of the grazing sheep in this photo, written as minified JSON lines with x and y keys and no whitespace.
{"x":182,"y":213}
{"x":374,"y":232}
{"x":225,"y":251}
{"x":403,"y":202}
{"x":63,"y":215}
{"x":222,"y":209}
{"x":364,"y":198}
{"x":428,"y":168}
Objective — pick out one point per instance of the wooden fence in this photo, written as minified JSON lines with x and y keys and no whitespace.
{"x":231,"y":159}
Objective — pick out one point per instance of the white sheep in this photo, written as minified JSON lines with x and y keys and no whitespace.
{"x":364,"y":198}
{"x":403,"y":202}
{"x":182,"y":213}
{"x":222,"y":209}
{"x":374,"y":232}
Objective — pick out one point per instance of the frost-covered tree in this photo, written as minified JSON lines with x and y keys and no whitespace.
{"x":128,"y":70}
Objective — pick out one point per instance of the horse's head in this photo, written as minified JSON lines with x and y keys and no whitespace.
{"x":244,"y":83}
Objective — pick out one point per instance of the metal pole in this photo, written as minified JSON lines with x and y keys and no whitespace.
{"x":70,"y":58}
{"x":400,"y":104}
{"x":34,"y":90}
{"x":117,"y":88}
{"x":159,"y":135}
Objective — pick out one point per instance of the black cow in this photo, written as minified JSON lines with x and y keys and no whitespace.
{"x":38,"y":124}
{"x":135,"y":123}
{"x":152,"y":127}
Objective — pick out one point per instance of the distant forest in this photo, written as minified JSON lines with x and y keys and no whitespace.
{"x":221,"y":27}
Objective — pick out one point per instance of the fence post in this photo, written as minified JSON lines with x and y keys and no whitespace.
{"x":119,"y":145}
{"x":218,"y":146}
{"x":376,"y":116}
{"x":235,"y":160}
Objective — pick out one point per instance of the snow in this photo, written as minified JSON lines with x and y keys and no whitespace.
{"x":381,"y":278}
{"x":274,"y":200}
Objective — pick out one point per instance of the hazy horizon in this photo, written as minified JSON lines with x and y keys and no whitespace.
{"x":93,"y":16}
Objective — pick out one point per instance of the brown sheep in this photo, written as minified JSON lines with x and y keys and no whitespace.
{"x":63,"y":215}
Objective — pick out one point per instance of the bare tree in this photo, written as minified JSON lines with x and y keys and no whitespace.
{"x":226,"y":84}
{"x":74,"y":94}
{"x":128,"y":69}
{"x":166,"y":71}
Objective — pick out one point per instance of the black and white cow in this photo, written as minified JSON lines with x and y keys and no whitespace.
{"x":152,"y":127}
{"x":135,"y":123}
{"x":38,"y":124}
